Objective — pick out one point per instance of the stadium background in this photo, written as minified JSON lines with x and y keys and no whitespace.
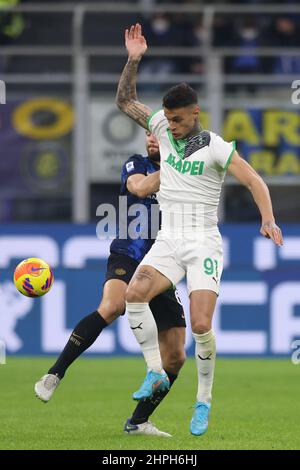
{"x":63,"y":143}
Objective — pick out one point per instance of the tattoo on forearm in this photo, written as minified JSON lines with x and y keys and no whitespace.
{"x":127,"y":84}
{"x":138,"y":112}
{"x":127,"y":97}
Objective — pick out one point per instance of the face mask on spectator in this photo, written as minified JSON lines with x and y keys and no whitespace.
{"x":160,"y":25}
{"x":200,"y":33}
{"x":249,"y":33}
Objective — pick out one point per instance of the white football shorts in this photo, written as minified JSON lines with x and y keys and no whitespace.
{"x":201,"y":260}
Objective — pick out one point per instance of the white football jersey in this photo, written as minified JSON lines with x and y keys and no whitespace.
{"x":192,"y":173}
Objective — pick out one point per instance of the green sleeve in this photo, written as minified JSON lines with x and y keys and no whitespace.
{"x":230,"y":156}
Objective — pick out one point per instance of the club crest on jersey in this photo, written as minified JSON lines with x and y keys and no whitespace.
{"x":185,"y":166}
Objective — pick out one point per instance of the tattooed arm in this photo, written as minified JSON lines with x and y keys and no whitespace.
{"x":126,"y":95}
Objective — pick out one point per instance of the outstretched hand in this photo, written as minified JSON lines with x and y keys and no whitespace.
{"x":135,"y":42}
{"x":271,"y":230}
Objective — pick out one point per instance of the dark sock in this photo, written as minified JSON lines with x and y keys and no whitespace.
{"x":84,"y":335}
{"x":146,"y":407}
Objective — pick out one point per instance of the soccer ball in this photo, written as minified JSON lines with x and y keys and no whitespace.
{"x":33,"y":277}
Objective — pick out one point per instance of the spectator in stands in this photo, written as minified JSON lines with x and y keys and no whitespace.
{"x":161,"y":31}
{"x":248,"y":36}
{"x":196,"y":37}
{"x":285,"y":32}
{"x":223,"y":31}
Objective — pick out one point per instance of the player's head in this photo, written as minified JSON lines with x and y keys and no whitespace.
{"x":152,"y":147}
{"x":181,"y":110}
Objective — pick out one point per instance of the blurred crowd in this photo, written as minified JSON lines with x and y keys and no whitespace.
{"x":235,"y":32}
{"x":249,"y":31}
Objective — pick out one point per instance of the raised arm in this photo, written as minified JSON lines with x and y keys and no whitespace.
{"x":247,"y":176}
{"x":126,"y":98}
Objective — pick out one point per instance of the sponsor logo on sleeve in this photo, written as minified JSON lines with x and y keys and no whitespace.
{"x":129,"y":166}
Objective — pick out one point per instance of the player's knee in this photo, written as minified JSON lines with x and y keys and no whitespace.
{"x":137,"y":292}
{"x":139,"y":289}
{"x":201,"y":326}
{"x":134,"y":294}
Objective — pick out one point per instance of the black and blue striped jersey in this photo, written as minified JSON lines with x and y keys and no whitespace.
{"x":126,"y":245}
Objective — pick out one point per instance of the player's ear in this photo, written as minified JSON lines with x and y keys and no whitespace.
{"x":196,"y":109}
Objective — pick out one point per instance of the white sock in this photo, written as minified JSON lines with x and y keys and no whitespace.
{"x":144,"y":328}
{"x":206,"y":349}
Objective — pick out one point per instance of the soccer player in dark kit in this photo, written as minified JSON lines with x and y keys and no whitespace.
{"x":140,"y":182}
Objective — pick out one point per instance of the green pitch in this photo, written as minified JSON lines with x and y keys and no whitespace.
{"x":255,"y":406}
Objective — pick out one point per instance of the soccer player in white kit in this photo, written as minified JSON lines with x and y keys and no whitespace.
{"x":193,"y":166}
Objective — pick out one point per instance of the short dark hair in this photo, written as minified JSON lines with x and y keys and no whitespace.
{"x":180,"y":96}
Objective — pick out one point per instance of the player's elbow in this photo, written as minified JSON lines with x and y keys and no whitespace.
{"x":135,"y":189}
{"x":141,"y":193}
{"x":122,"y":104}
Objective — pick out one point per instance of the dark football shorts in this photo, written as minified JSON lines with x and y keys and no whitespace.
{"x":166,"y":307}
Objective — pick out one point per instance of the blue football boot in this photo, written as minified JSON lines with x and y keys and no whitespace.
{"x":154,"y":382}
{"x":199,"y":421}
